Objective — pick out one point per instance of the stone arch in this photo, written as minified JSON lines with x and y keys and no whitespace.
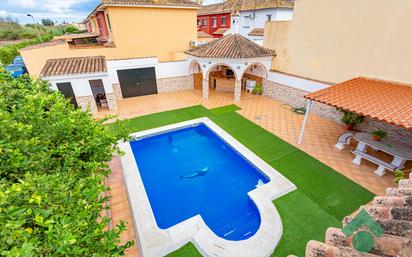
{"x":221,"y":64}
{"x":237,"y":84}
{"x":192,"y":67}
{"x":195,"y":70}
{"x":257,"y":64}
{"x":263,"y":74}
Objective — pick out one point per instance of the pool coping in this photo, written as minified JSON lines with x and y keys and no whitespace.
{"x":153,"y":241}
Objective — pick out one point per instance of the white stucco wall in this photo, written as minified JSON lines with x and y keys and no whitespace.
{"x":296,"y":82}
{"x":247,"y":24}
{"x":163,"y":69}
{"x":80,"y":83}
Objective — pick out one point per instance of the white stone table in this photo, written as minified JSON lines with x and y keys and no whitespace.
{"x":400,"y":153}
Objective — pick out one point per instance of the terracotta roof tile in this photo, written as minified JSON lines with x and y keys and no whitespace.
{"x":221,"y":31}
{"x":257,"y":32}
{"x":75,"y":65}
{"x":46,"y":44}
{"x":386,"y":101}
{"x":244,"y":5}
{"x":233,"y":46}
{"x":202,"y":34}
{"x":174,"y":3}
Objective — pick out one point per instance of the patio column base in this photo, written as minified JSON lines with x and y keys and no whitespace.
{"x":380,"y":171}
{"x":205,"y":88}
{"x":357,"y":160}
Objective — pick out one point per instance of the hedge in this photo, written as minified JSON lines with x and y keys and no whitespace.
{"x":8,"y":52}
{"x":53,"y":164}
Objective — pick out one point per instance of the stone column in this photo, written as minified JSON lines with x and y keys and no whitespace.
{"x":264,"y":83}
{"x":238,"y":90}
{"x":117,"y":91}
{"x":111,"y":101}
{"x":205,"y":88}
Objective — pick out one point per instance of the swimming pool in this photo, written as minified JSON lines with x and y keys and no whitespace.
{"x":193,"y":182}
{"x":190,"y":171}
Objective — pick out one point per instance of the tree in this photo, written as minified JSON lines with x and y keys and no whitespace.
{"x":53,"y":164}
{"x":47,"y":22}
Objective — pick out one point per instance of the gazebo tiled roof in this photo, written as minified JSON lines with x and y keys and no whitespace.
{"x":74,"y":66}
{"x":386,"y":101}
{"x":232,"y":46}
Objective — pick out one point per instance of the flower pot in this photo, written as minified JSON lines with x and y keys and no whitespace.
{"x":350,"y":126}
{"x":376,"y":138}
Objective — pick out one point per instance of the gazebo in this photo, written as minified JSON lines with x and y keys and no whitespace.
{"x":229,"y":63}
{"x":379,"y":100}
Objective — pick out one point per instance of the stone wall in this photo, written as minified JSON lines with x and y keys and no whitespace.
{"x":395,"y":133}
{"x":117,"y":91}
{"x":87,"y":101}
{"x":111,"y":101}
{"x":294,"y":97}
{"x":174,"y":84}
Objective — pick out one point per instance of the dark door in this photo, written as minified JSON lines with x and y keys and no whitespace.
{"x":137,"y":82}
{"x":67,"y":90}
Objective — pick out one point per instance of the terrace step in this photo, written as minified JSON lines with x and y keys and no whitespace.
{"x":318,"y":249}
{"x":396,"y":227}
{"x":399,"y":191}
{"x":398,"y":213}
{"x":405,"y":183}
{"x":393,"y":212}
{"x":387,"y":201}
{"x":387,"y":245}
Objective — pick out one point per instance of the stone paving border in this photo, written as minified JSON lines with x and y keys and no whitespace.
{"x":153,"y":241}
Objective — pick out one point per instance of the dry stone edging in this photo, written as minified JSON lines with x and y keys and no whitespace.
{"x":393,"y":212}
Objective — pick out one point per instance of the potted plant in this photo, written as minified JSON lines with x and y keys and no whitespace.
{"x":351,"y":119}
{"x":399,"y":174}
{"x":378,"y":134}
{"x":258,"y":90}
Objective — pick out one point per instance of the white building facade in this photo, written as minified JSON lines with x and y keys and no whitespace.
{"x":251,"y":21}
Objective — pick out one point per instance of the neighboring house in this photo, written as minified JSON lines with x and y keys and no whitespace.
{"x":252,"y":17}
{"x":122,"y":55}
{"x":337,"y":45}
{"x":214,"y":19}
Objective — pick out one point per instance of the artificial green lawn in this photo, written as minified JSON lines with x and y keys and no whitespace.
{"x":323,"y":196}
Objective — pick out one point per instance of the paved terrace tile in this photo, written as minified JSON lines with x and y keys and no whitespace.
{"x":320,"y":138}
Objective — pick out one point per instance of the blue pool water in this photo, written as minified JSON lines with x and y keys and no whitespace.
{"x":192,"y":171}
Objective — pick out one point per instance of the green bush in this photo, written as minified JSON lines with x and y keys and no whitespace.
{"x":53,"y":163}
{"x":8,"y":52}
{"x":71,"y":29}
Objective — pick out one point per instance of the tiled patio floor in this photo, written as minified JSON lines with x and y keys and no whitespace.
{"x":320,"y":137}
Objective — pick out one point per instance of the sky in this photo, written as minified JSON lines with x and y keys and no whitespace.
{"x":55,"y":10}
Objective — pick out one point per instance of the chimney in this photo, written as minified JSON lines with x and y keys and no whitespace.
{"x":235,"y":17}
